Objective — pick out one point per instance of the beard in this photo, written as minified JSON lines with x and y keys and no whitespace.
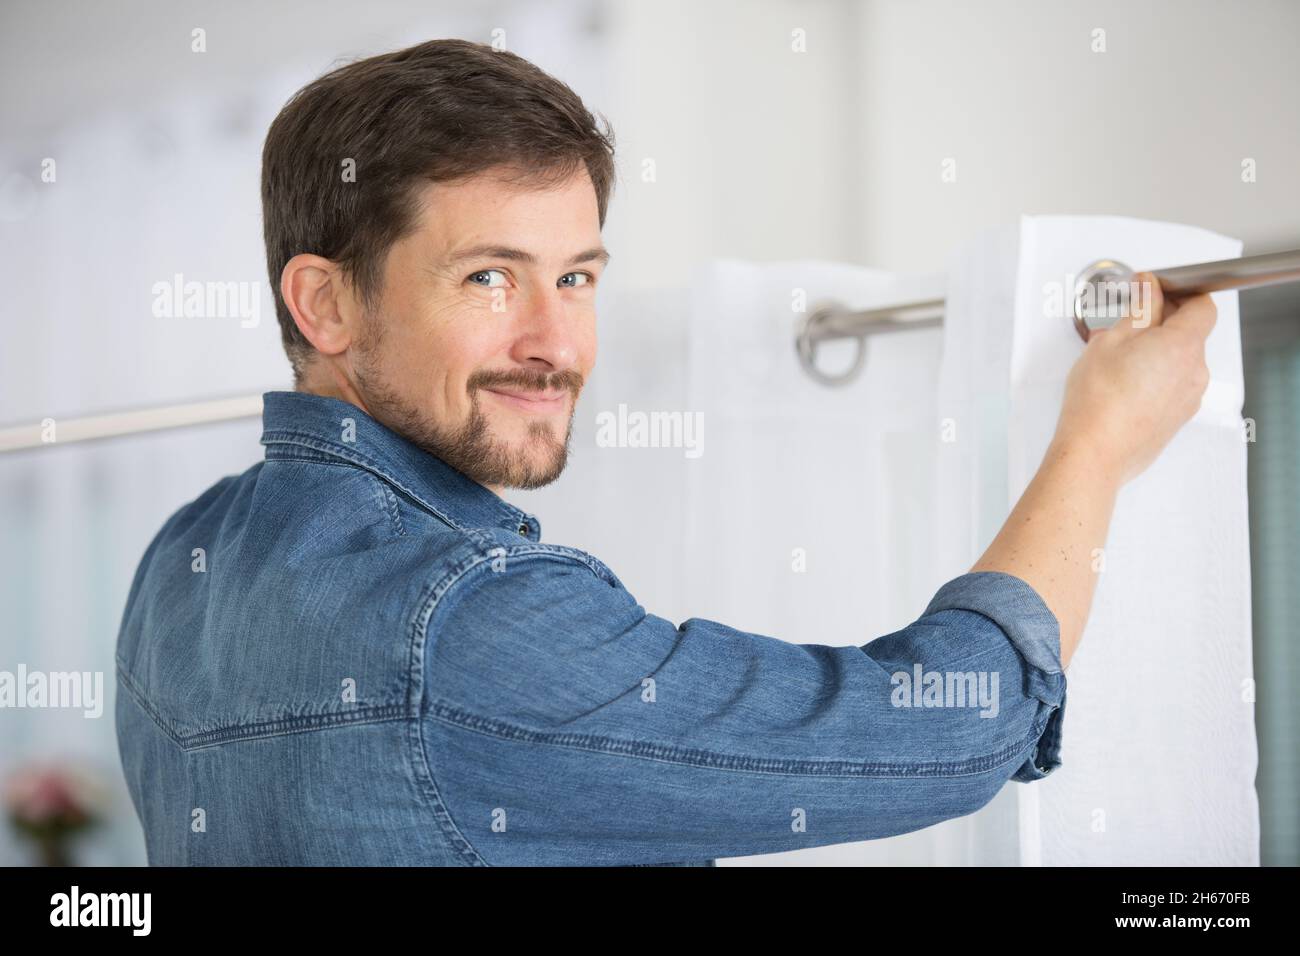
{"x":471,"y":448}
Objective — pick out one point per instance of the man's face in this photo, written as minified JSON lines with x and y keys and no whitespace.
{"x":486,"y":329}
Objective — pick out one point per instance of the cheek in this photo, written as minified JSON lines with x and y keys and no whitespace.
{"x":587,"y":349}
{"x":437,"y":347}
{"x":455,"y":358}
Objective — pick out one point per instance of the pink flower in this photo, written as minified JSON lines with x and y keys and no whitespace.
{"x":44,"y":795}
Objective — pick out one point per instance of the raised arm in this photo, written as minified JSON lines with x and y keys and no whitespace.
{"x":1134,"y":386}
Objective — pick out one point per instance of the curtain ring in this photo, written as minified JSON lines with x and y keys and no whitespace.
{"x":805,"y":343}
{"x":1097,"y":278}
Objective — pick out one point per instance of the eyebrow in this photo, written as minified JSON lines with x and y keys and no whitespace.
{"x":596,"y":254}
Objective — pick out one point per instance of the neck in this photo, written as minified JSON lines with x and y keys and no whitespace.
{"x":325,"y":379}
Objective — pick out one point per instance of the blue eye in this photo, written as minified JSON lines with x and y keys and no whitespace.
{"x":483,"y":272}
{"x":586,"y":277}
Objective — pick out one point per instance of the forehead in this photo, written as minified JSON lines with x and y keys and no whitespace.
{"x":489,"y":208}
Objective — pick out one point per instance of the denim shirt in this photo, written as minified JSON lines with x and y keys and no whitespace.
{"x":354,"y":654}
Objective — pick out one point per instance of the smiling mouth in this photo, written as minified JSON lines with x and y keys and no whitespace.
{"x":532,"y":401}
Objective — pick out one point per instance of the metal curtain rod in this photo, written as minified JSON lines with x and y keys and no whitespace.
{"x":1100,"y":298}
{"x":63,"y":431}
{"x":828,"y":321}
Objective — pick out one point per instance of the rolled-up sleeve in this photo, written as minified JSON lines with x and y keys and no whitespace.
{"x":561,"y":723}
{"x":1034,"y":631}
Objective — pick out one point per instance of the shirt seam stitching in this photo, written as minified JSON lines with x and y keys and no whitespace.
{"x":273,"y":727}
{"x":712,"y":760}
{"x":387,"y":503}
{"x":426,"y":607}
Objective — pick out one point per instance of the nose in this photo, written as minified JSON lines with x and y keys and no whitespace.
{"x":547,"y":333}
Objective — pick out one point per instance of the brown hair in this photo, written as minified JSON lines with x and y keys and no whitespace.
{"x":435,"y":112}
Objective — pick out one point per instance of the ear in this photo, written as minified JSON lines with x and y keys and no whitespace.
{"x":320,"y":301}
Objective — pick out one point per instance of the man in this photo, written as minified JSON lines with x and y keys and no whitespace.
{"x":357,"y":652}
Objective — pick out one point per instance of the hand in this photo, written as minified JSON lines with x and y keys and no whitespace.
{"x":1139,"y":381}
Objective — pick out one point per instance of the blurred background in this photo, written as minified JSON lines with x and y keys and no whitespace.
{"x":758,"y":154}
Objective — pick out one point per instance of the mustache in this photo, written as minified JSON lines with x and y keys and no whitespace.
{"x":527,"y":380}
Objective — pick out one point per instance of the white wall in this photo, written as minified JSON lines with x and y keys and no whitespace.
{"x":1156,"y":127}
{"x":765,"y":153}
{"x":753,"y":151}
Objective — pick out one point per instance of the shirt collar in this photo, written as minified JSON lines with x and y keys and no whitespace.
{"x":292,"y":421}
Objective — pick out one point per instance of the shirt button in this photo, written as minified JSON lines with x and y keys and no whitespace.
{"x":523,"y":529}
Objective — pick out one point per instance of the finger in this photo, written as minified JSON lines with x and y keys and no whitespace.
{"x":1197,"y":313}
{"x":1145,"y":306}
{"x":1150,"y":307}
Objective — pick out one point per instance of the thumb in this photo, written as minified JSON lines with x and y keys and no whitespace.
{"x":1145,"y":305}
